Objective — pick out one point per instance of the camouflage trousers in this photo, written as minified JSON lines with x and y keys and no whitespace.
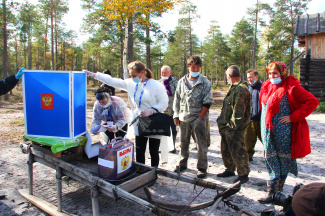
{"x":233,"y":151}
{"x":252,"y":133}
{"x":198,"y":127}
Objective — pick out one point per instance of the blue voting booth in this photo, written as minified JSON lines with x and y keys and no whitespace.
{"x":55,"y":103}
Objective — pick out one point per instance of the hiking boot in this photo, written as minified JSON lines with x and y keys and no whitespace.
{"x":181,"y":168}
{"x":225,"y":174}
{"x":243,"y":179}
{"x":173,"y":151}
{"x":201,"y":173}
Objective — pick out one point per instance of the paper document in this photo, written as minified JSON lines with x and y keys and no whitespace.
{"x":109,"y":123}
{"x":98,"y":128}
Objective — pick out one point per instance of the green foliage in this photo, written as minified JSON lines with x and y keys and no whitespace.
{"x":103,"y":49}
{"x":321,"y":106}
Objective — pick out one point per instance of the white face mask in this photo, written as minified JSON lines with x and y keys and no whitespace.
{"x":107,"y":105}
{"x":164,"y":78}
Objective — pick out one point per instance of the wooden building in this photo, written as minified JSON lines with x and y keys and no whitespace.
{"x":310,"y":30}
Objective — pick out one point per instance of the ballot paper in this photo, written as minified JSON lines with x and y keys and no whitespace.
{"x":101,"y":128}
{"x":98,"y":128}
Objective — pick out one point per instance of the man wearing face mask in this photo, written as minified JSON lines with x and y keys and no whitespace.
{"x":232,"y":123}
{"x":192,"y":101}
{"x":254,"y":129}
{"x":113,"y":111}
{"x":170,"y":84}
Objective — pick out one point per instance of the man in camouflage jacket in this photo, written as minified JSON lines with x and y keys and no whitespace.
{"x":170,"y":84}
{"x":192,"y":101}
{"x":232,"y":123}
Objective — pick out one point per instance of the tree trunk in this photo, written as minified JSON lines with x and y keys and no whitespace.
{"x":148,"y":44}
{"x":29,"y":46}
{"x":254,"y":50}
{"x":217,"y":70}
{"x":5,"y":54}
{"x":52,"y":39}
{"x":191,"y":49}
{"x":61,"y":56}
{"x":130,"y":43}
{"x":56,"y":38}
{"x":38,"y":54}
{"x":25,"y":56}
{"x":45,"y":44}
{"x":100,"y":60}
{"x":125,"y":72}
{"x":185,"y":64}
{"x":16,"y":49}
{"x":121,"y":52}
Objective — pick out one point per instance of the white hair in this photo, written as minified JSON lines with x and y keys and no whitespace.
{"x":168,"y":68}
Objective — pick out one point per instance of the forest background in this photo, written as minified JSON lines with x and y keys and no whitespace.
{"x":34,"y":36}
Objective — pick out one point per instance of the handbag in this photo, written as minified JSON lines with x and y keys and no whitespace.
{"x":155,"y":124}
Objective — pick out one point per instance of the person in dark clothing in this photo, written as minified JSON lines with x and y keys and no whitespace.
{"x":111,"y":90}
{"x":254,"y":128}
{"x":10,"y":82}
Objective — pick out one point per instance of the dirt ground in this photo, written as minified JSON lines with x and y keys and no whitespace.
{"x":76,"y":197}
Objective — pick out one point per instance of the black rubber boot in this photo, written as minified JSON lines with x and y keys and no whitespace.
{"x":272,"y":188}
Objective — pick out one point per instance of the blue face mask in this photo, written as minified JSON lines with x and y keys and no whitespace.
{"x":137,"y":80}
{"x":194,"y":74}
{"x":276,"y":81}
{"x":253,"y":82}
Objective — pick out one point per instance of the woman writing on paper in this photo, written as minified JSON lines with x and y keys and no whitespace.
{"x":145,"y":95}
{"x":113,"y":111}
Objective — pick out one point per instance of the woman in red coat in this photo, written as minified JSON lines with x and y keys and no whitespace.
{"x":284,"y":129}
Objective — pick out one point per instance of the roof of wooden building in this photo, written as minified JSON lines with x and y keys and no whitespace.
{"x":310,"y":24}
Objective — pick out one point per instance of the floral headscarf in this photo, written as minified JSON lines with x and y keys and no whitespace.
{"x":283,"y":69}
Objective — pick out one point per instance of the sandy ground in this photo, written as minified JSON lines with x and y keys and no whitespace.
{"x":76,"y":197}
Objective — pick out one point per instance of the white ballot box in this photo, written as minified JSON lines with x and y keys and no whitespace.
{"x":55,"y":103}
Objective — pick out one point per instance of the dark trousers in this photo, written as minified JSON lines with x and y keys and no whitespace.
{"x":141,"y":145}
{"x":174,"y":130}
{"x":119,"y":133}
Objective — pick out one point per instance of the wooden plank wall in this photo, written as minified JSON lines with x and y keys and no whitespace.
{"x":314,"y":80}
{"x":317,"y":44}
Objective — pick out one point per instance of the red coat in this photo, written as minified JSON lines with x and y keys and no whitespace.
{"x":302,"y":103}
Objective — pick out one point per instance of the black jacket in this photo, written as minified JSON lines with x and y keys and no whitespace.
{"x":255,"y":105}
{"x":7,"y":84}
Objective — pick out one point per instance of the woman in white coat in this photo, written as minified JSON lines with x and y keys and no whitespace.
{"x":144,"y":94}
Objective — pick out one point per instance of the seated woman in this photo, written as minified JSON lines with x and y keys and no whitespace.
{"x":113,"y":111}
{"x":145,"y":95}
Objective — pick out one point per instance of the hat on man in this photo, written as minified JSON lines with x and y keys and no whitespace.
{"x":310,"y":200}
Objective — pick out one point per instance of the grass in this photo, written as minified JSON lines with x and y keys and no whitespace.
{"x":18,"y":122}
{"x":7,"y":111}
{"x":321,"y":107}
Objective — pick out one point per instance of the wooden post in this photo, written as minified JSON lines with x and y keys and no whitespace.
{"x":94,"y":200}
{"x":57,"y":155}
{"x":79,"y":150}
{"x":30,"y":172}
{"x":59,"y":187}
